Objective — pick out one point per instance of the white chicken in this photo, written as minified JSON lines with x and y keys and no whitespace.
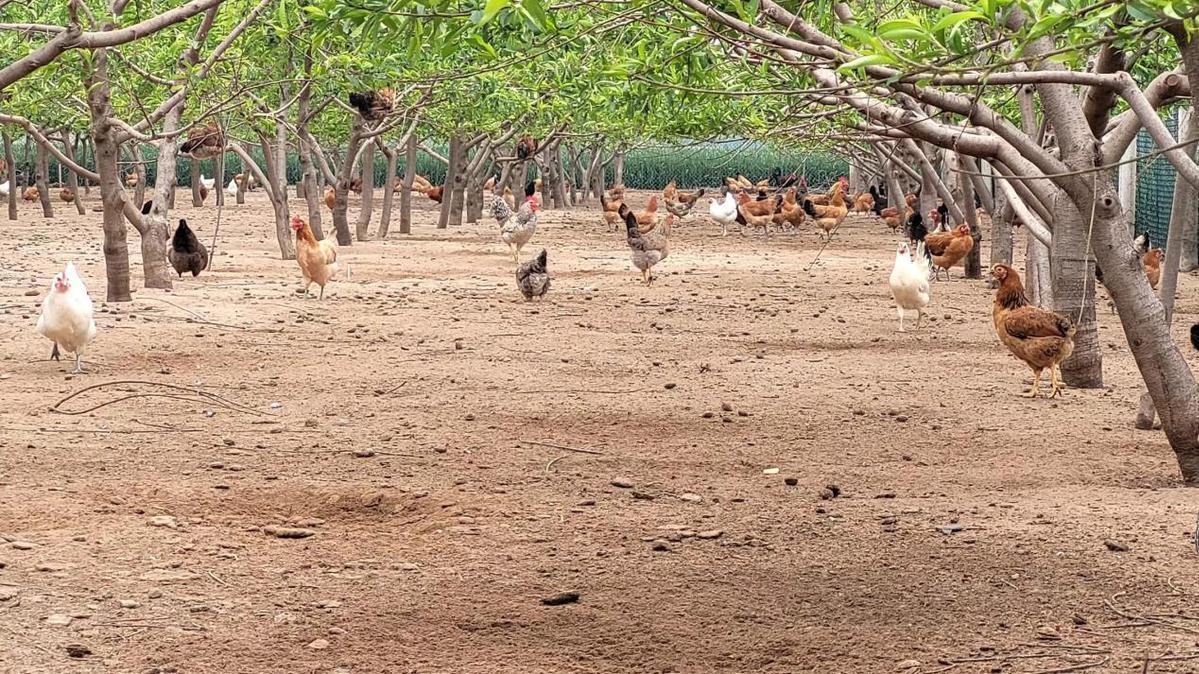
{"x":207,"y":183}
{"x":909,"y":282}
{"x":231,"y":188}
{"x":67,"y":316}
{"x":724,"y":211}
{"x":517,"y":231}
{"x":4,"y":189}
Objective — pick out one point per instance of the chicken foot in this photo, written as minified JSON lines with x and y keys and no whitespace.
{"x":1057,"y":385}
{"x":1036,"y":385}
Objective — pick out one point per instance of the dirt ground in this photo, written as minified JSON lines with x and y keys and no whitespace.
{"x":418,"y":419}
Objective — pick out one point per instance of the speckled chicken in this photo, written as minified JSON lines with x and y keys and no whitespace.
{"x":533,"y":277}
{"x":648,"y":248}
{"x":517,"y":231}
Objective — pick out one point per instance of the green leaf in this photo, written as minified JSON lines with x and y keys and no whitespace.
{"x":956,"y":18}
{"x":866,"y":61}
{"x":492,"y":8}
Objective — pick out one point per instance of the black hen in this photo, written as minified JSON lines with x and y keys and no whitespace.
{"x":1195,"y":336}
{"x":187,"y":253}
{"x":880,"y":202}
{"x":916,"y":229}
{"x":373,"y":105}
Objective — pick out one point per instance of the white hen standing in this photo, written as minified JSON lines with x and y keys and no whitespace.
{"x":67,"y":315}
{"x":517,"y":231}
{"x":909,"y":282}
{"x":724,"y":211}
{"x":207,"y":182}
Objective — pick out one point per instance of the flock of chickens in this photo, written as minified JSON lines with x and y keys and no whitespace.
{"x":1040,"y":338}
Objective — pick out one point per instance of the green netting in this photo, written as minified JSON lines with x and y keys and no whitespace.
{"x":1155,"y":188}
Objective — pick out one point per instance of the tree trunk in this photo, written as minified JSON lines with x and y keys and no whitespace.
{"x":389,"y":182}
{"x":618,"y":170}
{"x":406,"y":191}
{"x":196,"y":200}
{"x":973,"y":264}
{"x":1073,"y":280}
{"x":143,"y":180}
{"x":68,"y":148}
{"x":1001,"y":231}
{"x":12,"y":175}
{"x":42,"y":171}
{"x":312,"y":188}
{"x":116,"y":249}
{"x":365,"y":211}
{"x":452,"y":170}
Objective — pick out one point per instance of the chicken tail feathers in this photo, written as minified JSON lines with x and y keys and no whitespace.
{"x":808,"y":208}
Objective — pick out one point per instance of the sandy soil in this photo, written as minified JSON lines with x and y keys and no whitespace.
{"x":410,"y":421}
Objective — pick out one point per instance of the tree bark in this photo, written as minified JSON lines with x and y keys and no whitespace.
{"x":973,"y":264}
{"x":116,"y":249}
{"x":218,"y":173}
{"x":389,"y":181}
{"x":195,"y":171}
{"x":618,"y":169}
{"x":42,"y":170}
{"x":366,"y":209}
{"x":1001,"y":231}
{"x":12,"y":175}
{"x":406,"y":192}
{"x":68,"y":147}
{"x":452,"y":171}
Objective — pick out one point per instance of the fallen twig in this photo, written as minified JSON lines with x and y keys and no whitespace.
{"x":197,"y":396}
{"x":569,"y":449}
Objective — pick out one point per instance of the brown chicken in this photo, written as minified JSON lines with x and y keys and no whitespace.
{"x":949,"y":248}
{"x":373,"y":105}
{"x":756,"y":213}
{"x":356,"y":185}
{"x":611,"y":205}
{"x":830,"y":216}
{"x":648,"y":219}
{"x":1040,"y":338}
{"x":131,"y":179}
{"x":435,"y":193}
{"x":317,"y":259}
{"x":330,"y":198}
{"x":679,"y":203}
{"x":204,"y":142}
{"x":788,"y":212}
{"x":894,"y":217}
{"x":1152,"y":260}
{"x":67,"y":194}
{"x":31,"y":194}
{"x":864,"y":203}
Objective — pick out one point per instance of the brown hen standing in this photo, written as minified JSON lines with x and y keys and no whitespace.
{"x":1040,"y":338}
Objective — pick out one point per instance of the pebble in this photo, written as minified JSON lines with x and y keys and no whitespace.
{"x":288,"y":532}
{"x":621,"y":482}
{"x":560,"y":599}
{"x":790,"y":481}
{"x":164,"y":521}
{"x":710,"y":534}
{"x":660,"y":545}
{"x":7,"y":592}
{"x":908,"y":664}
{"x":23,"y":545}
{"x":950,"y":528}
{"x":726,"y":407}
{"x":407,"y":566}
{"x":640,"y":495}
{"x":1115,"y":546}
{"x":154,"y":594}
{"x":78,"y":650}
{"x":49,"y":567}
{"x":318,"y":644}
{"x":328,"y":603}
{"x":691,"y":498}
{"x":59,"y":620}
{"x":129,"y":603}
{"x":363,"y":453}
{"x":670,"y":385}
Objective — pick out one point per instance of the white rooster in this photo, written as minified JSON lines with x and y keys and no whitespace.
{"x":724,"y":211}
{"x":67,"y":315}
{"x":909,"y":282}
{"x":517,"y":231}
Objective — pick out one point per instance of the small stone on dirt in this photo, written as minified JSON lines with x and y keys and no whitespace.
{"x":908,"y":664}
{"x":49,"y":567}
{"x":129,"y":603}
{"x":23,"y":545}
{"x":690,"y":498}
{"x":710,"y":534}
{"x":950,"y":528}
{"x":726,"y":407}
{"x":1115,"y":546}
{"x":318,"y":644}
{"x":640,"y":495}
{"x":560,"y":599}
{"x":661,"y":546}
{"x":288,"y":532}
{"x":78,"y":650}
{"x":164,"y":521}
{"x":58,"y":620}
{"x":622,"y":482}
{"x":790,"y":481}
{"x":363,"y":453}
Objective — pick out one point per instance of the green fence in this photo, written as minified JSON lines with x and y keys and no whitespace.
{"x":1155,"y":188}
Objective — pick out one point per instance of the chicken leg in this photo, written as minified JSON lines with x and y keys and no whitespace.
{"x":899,"y":310}
{"x":1057,"y":385}
{"x":54,"y":353}
{"x":919,"y":318}
{"x":78,"y":364}
{"x":1036,"y":385}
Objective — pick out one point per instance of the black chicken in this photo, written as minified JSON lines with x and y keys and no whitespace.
{"x":533,"y":277}
{"x":187,"y":253}
{"x":373,"y":105}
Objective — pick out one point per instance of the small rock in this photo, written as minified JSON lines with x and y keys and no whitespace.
{"x":363,"y":453}
{"x":318,"y":644}
{"x":670,"y":385}
{"x":58,"y":620}
{"x":32,"y":293}
{"x":49,"y":567}
{"x":886,"y":494}
{"x":790,"y":481}
{"x":164,"y":521}
{"x":690,"y":498}
{"x":154,"y":594}
{"x":950,"y":528}
{"x":407,"y":566}
{"x":560,"y":599}
{"x":288,"y":532}
{"x":660,"y":546}
{"x":310,"y":423}
{"x":622,"y":482}
{"x":908,"y":664}
{"x":640,"y":495}
{"x":78,"y":650}
{"x":23,"y":545}
{"x":129,"y":603}
{"x":710,"y":534}
{"x":1115,"y":546}
{"x":726,"y":407}
{"x":7,"y":592}
{"x":901,"y":418}
{"x":328,"y":603}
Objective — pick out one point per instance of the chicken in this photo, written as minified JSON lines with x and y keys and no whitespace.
{"x":1152,"y":260}
{"x":533,"y":277}
{"x":131,"y":179}
{"x":4,"y":189}
{"x":724,"y":211}
{"x":525,"y":147}
{"x":781,"y":181}
{"x":648,"y":218}
{"x":916,"y":229}
{"x":330,"y":197}
{"x":187,"y":253}
{"x":356,"y":185}
{"x":501,"y":207}
{"x":231,"y":188}
{"x":949,"y":248}
{"x":788,"y":212}
{"x":373,"y":105}
{"x":829,"y":217}
{"x":755,"y":213}
{"x":909,"y":282}
{"x":489,"y":185}
{"x":421,"y":183}
{"x":205,"y":181}
{"x":317,"y":259}
{"x":1040,"y":338}
{"x":31,"y":194}
{"x":66,"y":316}
{"x":67,"y":194}
{"x":863,"y":203}
{"x":612,"y":206}
{"x":679,"y":203}
{"x":1195,"y":336}
{"x":880,"y":201}
{"x":517,"y":231}
{"x":204,"y":142}
{"x":247,"y":180}
{"x":647,"y":249}
{"x":435,"y":193}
